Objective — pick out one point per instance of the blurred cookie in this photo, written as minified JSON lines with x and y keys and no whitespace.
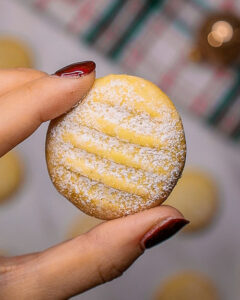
{"x":14,"y":53}
{"x":10,"y":174}
{"x":187,"y":286}
{"x":82,"y":225}
{"x":195,"y":196}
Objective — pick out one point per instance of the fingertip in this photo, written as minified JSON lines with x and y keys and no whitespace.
{"x":60,"y":94}
{"x":131,"y":229}
{"x":77,"y":70}
{"x":80,"y":76}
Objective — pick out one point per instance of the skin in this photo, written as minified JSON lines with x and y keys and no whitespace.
{"x":28,"y":98}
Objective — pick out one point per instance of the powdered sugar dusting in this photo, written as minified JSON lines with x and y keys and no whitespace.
{"x":114,"y":153}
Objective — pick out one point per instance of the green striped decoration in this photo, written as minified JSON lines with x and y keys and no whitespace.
{"x":135,"y":26}
{"x":104,"y":21}
{"x":226,"y":102}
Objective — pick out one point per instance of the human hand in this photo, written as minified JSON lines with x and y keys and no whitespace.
{"x":27,"y":99}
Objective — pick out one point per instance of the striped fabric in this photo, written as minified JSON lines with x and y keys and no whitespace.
{"x":152,"y":39}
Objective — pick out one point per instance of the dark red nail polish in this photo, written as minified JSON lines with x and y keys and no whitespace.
{"x":162,"y":232}
{"x":77,"y":70}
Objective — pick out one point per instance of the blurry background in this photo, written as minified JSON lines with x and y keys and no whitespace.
{"x":160,"y":41}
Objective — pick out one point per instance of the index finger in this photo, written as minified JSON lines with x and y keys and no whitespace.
{"x":40,"y":100}
{"x":11,"y":79}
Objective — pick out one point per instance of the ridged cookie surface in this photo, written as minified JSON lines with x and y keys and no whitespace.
{"x":120,"y":151}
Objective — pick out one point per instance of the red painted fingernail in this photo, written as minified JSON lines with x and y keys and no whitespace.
{"x":162,"y":231}
{"x":77,"y":70}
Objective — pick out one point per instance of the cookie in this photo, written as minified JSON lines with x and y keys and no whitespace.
{"x":14,"y":53}
{"x":195,"y":196}
{"x":118,"y":152}
{"x":10,"y":174}
{"x":187,"y":286}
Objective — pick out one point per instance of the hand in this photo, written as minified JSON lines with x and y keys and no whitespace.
{"x":28,"y":98}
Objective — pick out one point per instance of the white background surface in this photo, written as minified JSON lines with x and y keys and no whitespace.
{"x":40,"y":217}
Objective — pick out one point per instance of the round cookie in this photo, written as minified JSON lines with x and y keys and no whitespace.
{"x":10,"y":174}
{"x":195,"y":196}
{"x":187,"y":286}
{"x":82,"y":225}
{"x":120,"y":151}
{"x":14,"y":53}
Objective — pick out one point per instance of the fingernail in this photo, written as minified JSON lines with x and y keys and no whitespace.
{"x":162,"y":231}
{"x":76,"y":70}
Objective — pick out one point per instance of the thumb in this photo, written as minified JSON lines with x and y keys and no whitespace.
{"x":24,"y":108}
{"x":102,"y":254}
